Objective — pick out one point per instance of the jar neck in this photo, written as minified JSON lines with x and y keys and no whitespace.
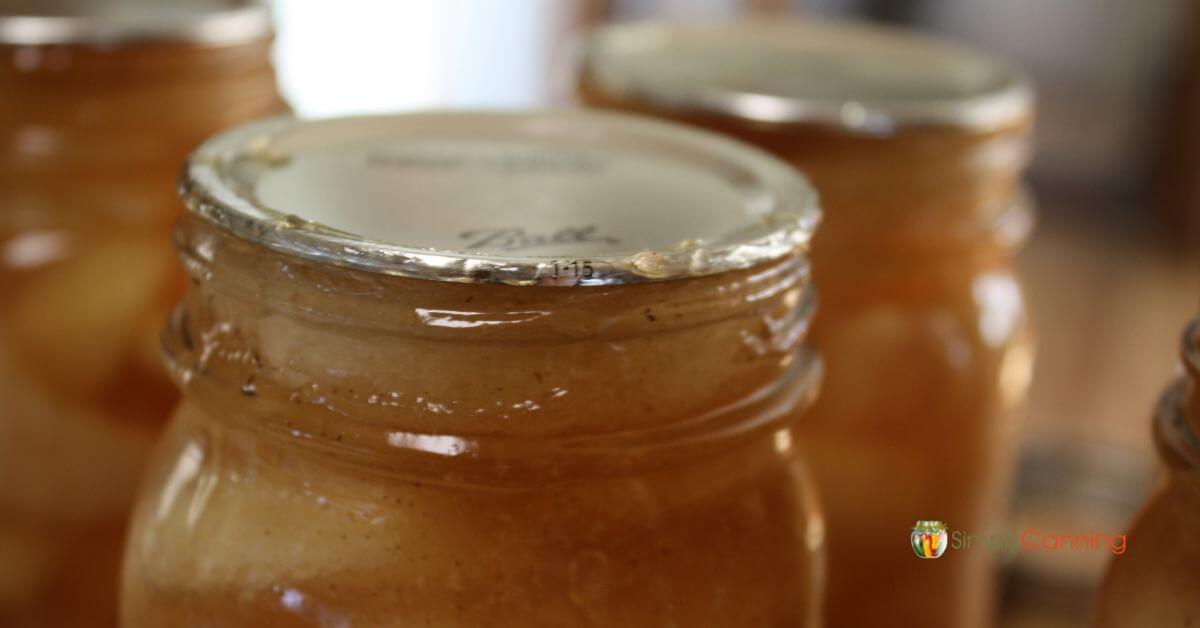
{"x":109,"y":108}
{"x":850,"y":266}
{"x":1177,"y":428}
{"x":913,"y":193}
{"x":381,"y":363}
{"x":920,"y":193}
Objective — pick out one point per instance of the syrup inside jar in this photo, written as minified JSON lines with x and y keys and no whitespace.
{"x":508,"y":369}
{"x":917,"y":148}
{"x":1152,"y":580}
{"x":102,"y":100}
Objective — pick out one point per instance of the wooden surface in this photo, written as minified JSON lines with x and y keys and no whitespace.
{"x":1110,"y":301}
{"x":1109,"y":304}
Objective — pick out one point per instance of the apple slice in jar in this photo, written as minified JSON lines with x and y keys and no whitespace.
{"x":60,"y":461}
{"x":75,"y":321}
{"x":30,"y":554}
{"x":297,"y":534}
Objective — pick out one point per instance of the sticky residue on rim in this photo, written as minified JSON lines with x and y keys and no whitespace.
{"x":557,"y":198}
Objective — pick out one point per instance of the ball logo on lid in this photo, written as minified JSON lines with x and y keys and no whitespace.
{"x":929,"y":539}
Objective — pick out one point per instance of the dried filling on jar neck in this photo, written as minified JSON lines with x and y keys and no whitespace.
{"x":379,"y":358}
{"x":610,"y":339}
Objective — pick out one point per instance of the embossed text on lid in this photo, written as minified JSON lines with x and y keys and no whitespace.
{"x":551,"y":198}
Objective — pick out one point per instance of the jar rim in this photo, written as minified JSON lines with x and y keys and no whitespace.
{"x":853,"y":76}
{"x":1189,"y":347}
{"x":1173,"y":436}
{"x":258,"y":182}
{"x":203,"y":22}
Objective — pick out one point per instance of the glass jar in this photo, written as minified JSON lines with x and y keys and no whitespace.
{"x":465,"y":369}
{"x":916,"y":148}
{"x":101,"y":103}
{"x":1155,"y":580}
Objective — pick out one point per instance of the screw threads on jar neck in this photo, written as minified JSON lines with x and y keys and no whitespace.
{"x":917,"y":192}
{"x":897,"y":195}
{"x":130,"y":105}
{"x":1177,"y":416}
{"x":1190,"y":357}
{"x":479,"y":361}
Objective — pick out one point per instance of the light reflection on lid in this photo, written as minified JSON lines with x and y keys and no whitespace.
{"x":549,"y":198}
{"x":859,"y":77}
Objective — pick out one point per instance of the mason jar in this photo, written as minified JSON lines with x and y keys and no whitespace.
{"x":916,"y":147}
{"x":463,"y":369}
{"x":1154,"y":579}
{"x":101,"y":103}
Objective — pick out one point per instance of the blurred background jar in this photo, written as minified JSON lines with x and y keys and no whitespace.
{"x":101,"y":102}
{"x":556,"y":388}
{"x":1110,"y":272}
{"x":1156,"y":580}
{"x":916,"y":148}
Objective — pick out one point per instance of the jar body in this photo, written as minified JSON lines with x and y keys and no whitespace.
{"x":919,"y":414}
{"x":928,"y":350}
{"x":236,"y":531}
{"x":87,"y":274}
{"x":363,"y":451}
{"x":1154,"y":582}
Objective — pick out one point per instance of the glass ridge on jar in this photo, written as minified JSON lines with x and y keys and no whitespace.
{"x":387,"y":430}
{"x":1154,"y":582}
{"x":916,"y":147}
{"x":100,"y":105}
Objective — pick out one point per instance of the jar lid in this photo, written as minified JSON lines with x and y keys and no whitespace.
{"x":546,"y":198}
{"x":65,"y":22}
{"x":1172,"y":434}
{"x":854,"y":76}
{"x":1172,"y":430}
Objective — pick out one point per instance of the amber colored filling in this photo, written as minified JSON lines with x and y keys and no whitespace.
{"x":94,"y":138}
{"x":1154,"y":582}
{"x":922,"y":327}
{"x":376,"y":451}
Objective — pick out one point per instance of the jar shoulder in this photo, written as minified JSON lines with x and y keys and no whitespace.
{"x":233,"y":527}
{"x":1154,"y":582}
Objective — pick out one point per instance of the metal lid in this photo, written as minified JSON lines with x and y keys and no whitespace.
{"x":546,"y":198}
{"x":205,"y":22}
{"x":858,"y":77}
{"x":1172,"y":430}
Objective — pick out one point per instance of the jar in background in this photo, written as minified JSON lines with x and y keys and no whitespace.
{"x":484,"y":369}
{"x":916,"y":148}
{"x":1155,"y":581}
{"x":102,"y":101}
